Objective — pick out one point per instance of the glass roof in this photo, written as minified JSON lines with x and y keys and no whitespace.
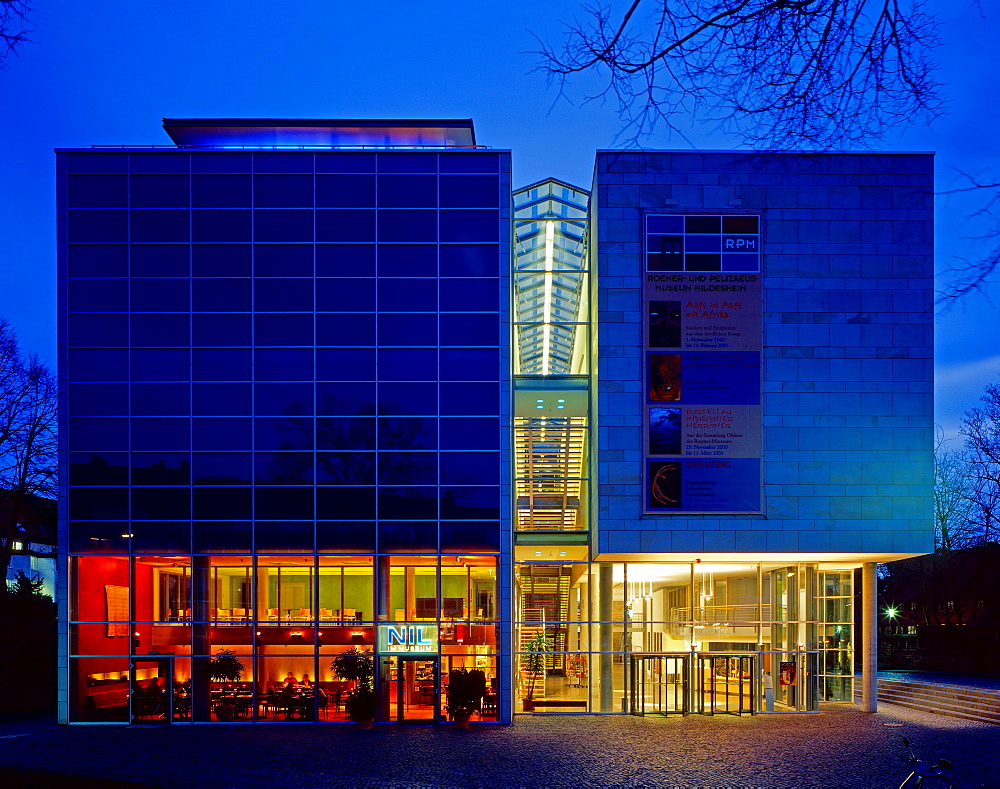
{"x":550,"y":269}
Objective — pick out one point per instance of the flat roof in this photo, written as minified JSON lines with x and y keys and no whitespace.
{"x":322,"y":132}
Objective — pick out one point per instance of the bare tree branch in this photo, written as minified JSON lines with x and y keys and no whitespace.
{"x":778,"y":73}
{"x":14,"y":27}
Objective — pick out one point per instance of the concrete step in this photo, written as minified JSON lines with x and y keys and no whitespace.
{"x":948,"y":700}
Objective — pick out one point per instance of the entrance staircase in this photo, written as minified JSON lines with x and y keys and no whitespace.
{"x":953,"y":701}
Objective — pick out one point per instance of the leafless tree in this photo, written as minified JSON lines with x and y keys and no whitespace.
{"x":981,"y":428}
{"x":952,"y":497}
{"x":975,"y":275}
{"x":779,"y":73}
{"x":28,"y":409}
{"x":14,"y":24}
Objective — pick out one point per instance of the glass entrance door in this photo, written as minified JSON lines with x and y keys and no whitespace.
{"x":411,"y":687}
{"x":152,"y":690}
{"x":724,"y":684}
{"x":658,"y":684}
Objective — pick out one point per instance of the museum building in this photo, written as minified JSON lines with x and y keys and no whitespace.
{"x":333,"y":393}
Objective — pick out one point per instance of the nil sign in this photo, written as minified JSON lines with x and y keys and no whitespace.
{"x":406,"y":639}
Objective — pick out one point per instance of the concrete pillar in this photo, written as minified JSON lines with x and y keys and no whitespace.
{"x":869,"y":638}
{"x":605,"y":581}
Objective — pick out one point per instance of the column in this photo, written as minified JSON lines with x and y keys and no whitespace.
{"x":869,"y":639}
{"x":605,"y":580}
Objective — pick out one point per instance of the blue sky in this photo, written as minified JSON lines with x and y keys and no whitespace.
{"x":106,"y":73}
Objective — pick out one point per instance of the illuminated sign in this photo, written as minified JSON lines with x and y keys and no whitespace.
{"x":703,"y":298}
{"x":407,"y":639}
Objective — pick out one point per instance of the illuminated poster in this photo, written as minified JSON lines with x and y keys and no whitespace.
{"x":703,"y":301}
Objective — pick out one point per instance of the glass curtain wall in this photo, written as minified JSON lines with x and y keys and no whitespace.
{"x":259,"y":636}
{"x":747,"y":637}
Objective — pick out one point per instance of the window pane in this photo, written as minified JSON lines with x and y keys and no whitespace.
{"x":228,"y":162}
{"x":160,"y":399}
{"x":98,"y":295}
{"x":161,"y":503}
{"x":282,"y":162}
{"x":352,"y":328}
{"x":222,"y":399}
{"x":283,"y":225}
{"x":470,"y":399}
{"x":98,"y":503}
{"x":221,"y":225}
{"x":470,"y":433}
{"x":97,"y":191}
{"x":280,"y":295}
{"x":345,"y":398}
{"x":280,"y":329}
{"x":220,"y":191}
{"x":470,"y":329}
{"x":470,"y":364}
{"x":407,"y":191}
{"x":222,"y":329}
{"x":98,"y":364}
{"x":164,"y":224}
{"x":476,"y":191}
{"x":345,"y":295}
{"x":221,"y":260}
{"x":160,"y":295}
{"x":159,"y":260}
{"x":98,"y":163}
{"x":345,"y":364}
{"x":348,"y":536}
{"x":98,"y":434}
{"x":98,"y":468}
{"x":221,"y":295}
{"x":283,"y":468}
{"x":348,"y":503}
{"x":407,"y":260}
{"x":224,"y":537}
{"x":407,"y":364}
{"x":470,"y":260}
{"x":345,"y":468}
{"x":408,"y":226}
{"x":222,"y":364}
{"x":283,"y":399}
{"x":283,"y":364}
{"x":345,"y":191}
{"x":407,"y":295}
{"x":283,"y":260}
{"x":160,"y":434}
{"x":161,"y":330}
{"x":407,"y":433}
{"x":348,"y":433}
{"x":470,"y":503}
{"x":470,"y":468}
{"x":407,"y":162}
{"x":161,"y":468}
{"x":470,"y":163}
{"x":221,"y":468}
{"x":159,"y":162}
{"x":160,"y":364}
{"x":407,"y":536}
{"x":159,"y":191}
{"x":283,"y":503}
{"x":283,"y":191}
{"x":88,"y":224}
{"x":459,"y":225}
{"x":98,"y":399}
{"x":98,"y":260}
{"x":343,"y":162}
{"x":407,"y":329}
{"x":222,"y":502}
{"x":97,"y":330}
{"x":218,"y":434}
{"x":481,"y":295}
{"x":345,"y":260}
{"x":407,"y":398}
{"x":345,"y":225}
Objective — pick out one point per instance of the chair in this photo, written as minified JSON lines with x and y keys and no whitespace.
{"x":224,"y":613}
{"x":272,"y":614}
{"x":326,"y":614}
{"x":239,"y":613}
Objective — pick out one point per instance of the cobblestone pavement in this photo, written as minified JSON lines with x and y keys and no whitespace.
{"x":840,"y":747}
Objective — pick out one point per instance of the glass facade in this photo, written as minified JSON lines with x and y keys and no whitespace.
{"x":285,"y":380}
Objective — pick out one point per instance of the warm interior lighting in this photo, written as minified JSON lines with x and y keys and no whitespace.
{"x":550,"y":237}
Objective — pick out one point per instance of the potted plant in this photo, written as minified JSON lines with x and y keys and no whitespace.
{"x":533,"y":661}
{"x":464,"y":697}
{"x":225,"y":667}
{"x":361,"y":703}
